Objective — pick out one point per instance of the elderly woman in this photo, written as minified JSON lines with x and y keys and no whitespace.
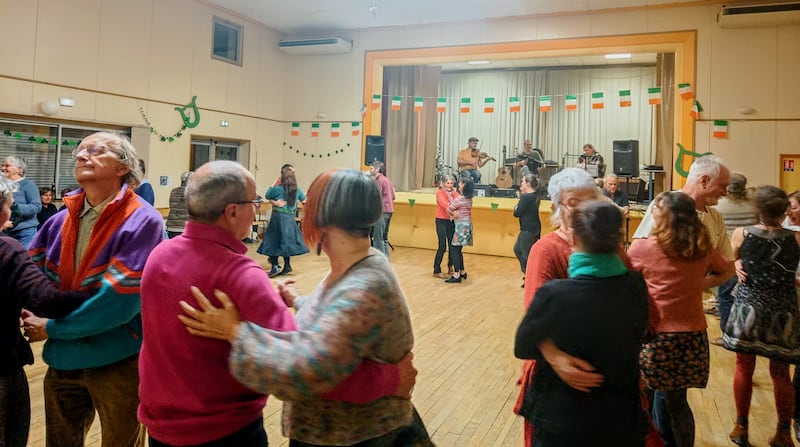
{"x":460,"y":210}
{"x":549,"y":259}
{"x":27,"y":202}
{"x":358,"y":312}
{"x":601,"y":312}
{"x":445,"y":227}
{"x":24,"y":285}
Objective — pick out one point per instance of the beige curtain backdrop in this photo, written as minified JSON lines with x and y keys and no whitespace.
{"x":410,"y":136}
{"x":664,"y":125}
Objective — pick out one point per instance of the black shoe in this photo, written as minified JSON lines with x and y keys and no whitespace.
{"x":274,"y":271}
{"x":464,"y":276}
{"x":452,"y":279}
{"x":286,"y":270}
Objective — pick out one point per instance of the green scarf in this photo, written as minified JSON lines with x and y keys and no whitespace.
{"x":599,"y":265}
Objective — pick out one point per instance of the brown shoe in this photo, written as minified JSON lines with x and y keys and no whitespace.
{"x":783,"y":438}
{"x":739,"y":435}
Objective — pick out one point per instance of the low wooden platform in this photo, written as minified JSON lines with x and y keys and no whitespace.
{"x":464,"y":334}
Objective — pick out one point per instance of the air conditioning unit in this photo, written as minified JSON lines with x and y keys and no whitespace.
{"x":326,"y":45}
{"x":758,"y":14}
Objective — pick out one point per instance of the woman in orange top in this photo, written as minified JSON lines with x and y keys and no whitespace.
{"x":445,"y":227}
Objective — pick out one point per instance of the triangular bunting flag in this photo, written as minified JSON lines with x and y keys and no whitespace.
{"x":418,"y":104}
{"x":466,"y":105}
{"x":720,"y":129}
{"x":396,"y":102}
{"x":696,"y":109}
{"x":686,"y":91}
{"x":314,"y":129}
{"x":441,"y":105}
{"x":654,"y":96}
{"x":335,"y":130}
{"x":376,"y":101}
{"x":488,"y":105}
{"x":544,"y":104}
{"x":571,"y":102}
{"x":597,"y":100}
{"x":355,"y":128}
{"x":513,"y":104}
{"x":624,"y":98}
{"x":295,"y":129}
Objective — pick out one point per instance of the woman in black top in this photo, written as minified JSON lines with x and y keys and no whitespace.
{"x":48,"y":208}
{"x":599,"y":314}
{"x":530,"y":228}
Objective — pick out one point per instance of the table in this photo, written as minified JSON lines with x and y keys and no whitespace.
{"x":651,"y":182}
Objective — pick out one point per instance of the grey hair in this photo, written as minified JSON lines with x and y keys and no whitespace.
{"x":569,"y":179}
{"x":449,"y":177}
{"x":7,"y":189}
{"x":361,"y":214}
{"x":122,"y":146}
{"x":18,"y":162}
{"x":208,"y":195}
{"x":737,"y":188}
{"x":709,"y":165}
{"x":610,"y":176}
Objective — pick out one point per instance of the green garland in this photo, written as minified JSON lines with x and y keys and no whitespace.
{"x":162,"y":137}
{"x":41,"y":140}
{"x":313,"y":155}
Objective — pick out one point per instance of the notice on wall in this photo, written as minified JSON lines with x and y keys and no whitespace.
{"x":164,"y":180}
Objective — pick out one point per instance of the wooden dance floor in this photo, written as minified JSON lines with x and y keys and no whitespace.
{"x":464,"y":333}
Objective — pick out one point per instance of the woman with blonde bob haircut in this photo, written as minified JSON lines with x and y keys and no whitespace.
{"x":358,"y":312}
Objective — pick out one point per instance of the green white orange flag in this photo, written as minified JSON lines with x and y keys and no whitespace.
{"x":545,"y":105}
{"x":654,"y":96}
{"x":597,"y":100}
{"x":355,"y":128}
{"x":720,"y":129}
{"x":686,"y":91}
{"x":466,"y":105}
{"x":488,"y":105}
{"x":418,"y":104}
{"x":396,"y":102}
{"x":295,"y":129}
{"x":513,"y":104}
{"x":335,"y":130}
{"x":314,"y":129}
{"x":376,"y":101}
{"x":624,"y":98}
{"x":441,"y":105}
{"x":571,"y":102}
{"x":696,"y":109}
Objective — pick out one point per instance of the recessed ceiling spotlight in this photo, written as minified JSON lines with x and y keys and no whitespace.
{"x":618,"y":56}
{"x":479,"y":62}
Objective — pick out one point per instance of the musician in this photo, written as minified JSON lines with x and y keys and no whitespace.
{"x":470,"y":159}
{"x":530,"y":161}
{"x":590,"y":157}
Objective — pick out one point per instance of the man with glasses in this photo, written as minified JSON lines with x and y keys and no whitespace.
{"x":100,"y":244}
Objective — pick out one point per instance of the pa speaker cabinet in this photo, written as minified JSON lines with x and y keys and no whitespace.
{"x":504,"y":192}
{"x":376,"y":149}
{"x":481,"y":190}
{"x":626,"y":158}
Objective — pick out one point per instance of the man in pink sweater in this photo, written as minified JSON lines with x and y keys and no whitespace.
{"x":187,"y":395}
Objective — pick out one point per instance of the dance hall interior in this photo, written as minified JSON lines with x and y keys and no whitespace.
{"x":321,"y":84}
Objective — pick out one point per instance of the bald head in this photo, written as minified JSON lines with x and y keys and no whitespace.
{"x":215,"y":185}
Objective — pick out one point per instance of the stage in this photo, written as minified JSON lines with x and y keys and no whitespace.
{"x":495,"y":227}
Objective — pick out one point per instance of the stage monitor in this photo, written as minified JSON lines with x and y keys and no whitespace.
{"x":626,"y":158}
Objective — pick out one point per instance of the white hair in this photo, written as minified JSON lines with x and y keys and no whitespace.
{"x":569,"y":179}
{"x":709,"y":165}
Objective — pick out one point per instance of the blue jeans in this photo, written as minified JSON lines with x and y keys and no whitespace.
{"x":380,"y":233}
{"x":725,"y":300}
{"x":474,"y":173}
{"x":24,"y":236}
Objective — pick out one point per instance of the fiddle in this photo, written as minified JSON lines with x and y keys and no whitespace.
{"x":484,"y":155}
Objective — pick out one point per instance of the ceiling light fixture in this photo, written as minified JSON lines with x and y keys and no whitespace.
{"x":618,"y":56}
{"x":479,"y":62}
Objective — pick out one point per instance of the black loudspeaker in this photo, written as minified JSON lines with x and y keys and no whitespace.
{"x":626,"y":158}
{"x":481,"y":190}
{"x":376,"y":149}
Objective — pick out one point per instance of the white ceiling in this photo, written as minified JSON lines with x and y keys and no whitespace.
{"x":301,"y":18}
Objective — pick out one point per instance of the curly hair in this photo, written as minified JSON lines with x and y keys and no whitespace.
{"x":771,"y":203}
{"x":678,"y":229}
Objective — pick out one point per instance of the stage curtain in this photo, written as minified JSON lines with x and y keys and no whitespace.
{"x":665,"y":136}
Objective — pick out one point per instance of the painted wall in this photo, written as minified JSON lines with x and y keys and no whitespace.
{"x":736,"y":68}
{"x":114,"y":56}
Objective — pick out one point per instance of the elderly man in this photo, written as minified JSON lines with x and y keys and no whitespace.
{"x":611,"y":190}
{"x":100,"y":244}
{"x":707,"y":181}
{"x":380,"y":232}
{"x":188,"y":396}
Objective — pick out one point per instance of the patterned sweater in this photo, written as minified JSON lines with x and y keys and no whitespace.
{"x":363,"y":315}
{"x":108,"y":327}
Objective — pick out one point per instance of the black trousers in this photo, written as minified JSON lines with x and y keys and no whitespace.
{"x":251,"y":435}
{"x":445,"y":229}
{"x":522,"y":247}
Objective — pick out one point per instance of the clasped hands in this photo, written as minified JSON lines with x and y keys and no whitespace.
{"x":35,"y":327}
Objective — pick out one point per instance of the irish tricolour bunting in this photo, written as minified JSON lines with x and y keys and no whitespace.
{"x":654,"y":96}
{"x":397,"y":101}
{"x":597,"y":100}
{"x":513,"y":104}
{"x":571,"y":102}
{"x":624,"y":98}
{"x":466,"y":105}
{"x":720,"y":129}
{"x":686,"y":91}
{"x":545,"y":105}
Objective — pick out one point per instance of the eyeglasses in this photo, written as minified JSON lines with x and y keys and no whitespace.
{"x":91,"y":150}
{"x":257,"y":201}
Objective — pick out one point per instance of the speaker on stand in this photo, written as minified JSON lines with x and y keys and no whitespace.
{"x":376,"y":149}
{"x":626,"y":158}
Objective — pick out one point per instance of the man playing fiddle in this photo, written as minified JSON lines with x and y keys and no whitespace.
{"x":470,"y":159}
